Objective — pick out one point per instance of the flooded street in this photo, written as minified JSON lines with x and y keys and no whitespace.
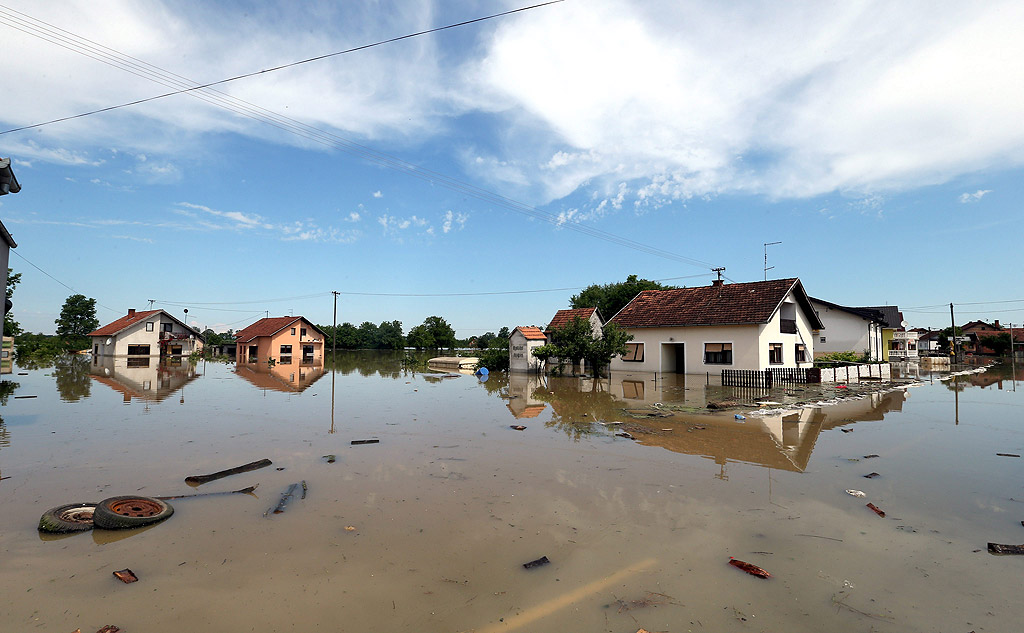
{"x":428,"y":530}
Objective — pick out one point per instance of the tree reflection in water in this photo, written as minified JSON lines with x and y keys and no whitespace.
{"x":71,"y":373}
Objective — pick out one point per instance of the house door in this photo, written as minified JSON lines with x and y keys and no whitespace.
{"x":673,"y":358}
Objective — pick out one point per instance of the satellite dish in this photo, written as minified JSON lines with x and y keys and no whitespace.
{"x":904,"y":324}
{"x":109,"y":341}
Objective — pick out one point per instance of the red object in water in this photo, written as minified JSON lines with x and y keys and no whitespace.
{"x":840,"y":386}
{"x":750,"y":568}
{"x":877,"y":510}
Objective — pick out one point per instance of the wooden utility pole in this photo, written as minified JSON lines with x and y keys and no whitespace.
{"x":952,"y":322}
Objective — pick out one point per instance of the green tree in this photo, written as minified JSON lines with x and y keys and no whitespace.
{"x":11,"y":327}
{"x":610,"y":298}
{"x":495,"y":357}
{"x":601,"y":351}
{"x":420,"y":337}
{"x":443,"y":335}
{"x":369,"y":335}
{"x":575,"y":341}
{"x":390,"y":335}
{"x":998,"y":343}
{"x":77,"y":318}
{"x":484,"y":340}
{"x":504,"y":333}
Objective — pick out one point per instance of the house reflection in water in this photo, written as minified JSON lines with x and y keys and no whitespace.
{"x":665,"y":413}
{"x":291,"y":378}
{"x":521,"y":389}
{"x":146,"y":378}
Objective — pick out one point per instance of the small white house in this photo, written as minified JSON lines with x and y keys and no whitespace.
{"x":758,"y":325}
{"x":848,"y":329}
{"x":521,"y":343}
{"x":562,"y":318}
{"x":146,"y":333}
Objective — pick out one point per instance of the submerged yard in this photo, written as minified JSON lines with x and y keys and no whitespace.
{"x":636,"y":496}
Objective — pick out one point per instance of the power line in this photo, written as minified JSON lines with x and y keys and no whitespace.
{"x":57,"y":280}
{"x":274,"y":68}
{"x":243,"y":108}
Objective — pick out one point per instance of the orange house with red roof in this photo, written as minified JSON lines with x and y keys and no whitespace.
{"x":146,"y":333}
{"x":286,"y":340}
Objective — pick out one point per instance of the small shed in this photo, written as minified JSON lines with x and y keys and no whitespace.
{"x":521,"y":343}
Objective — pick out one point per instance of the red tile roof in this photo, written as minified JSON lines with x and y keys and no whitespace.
{"x":531,"y":333}
{"x":726,"y":304}
{"x":562,"y":317}
{"x":122,"y":323}
{"x":269,"y":327}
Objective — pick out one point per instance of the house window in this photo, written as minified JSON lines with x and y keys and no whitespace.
{"x":138,"y":350}
{"x":822,"y":340}
{"x":800,"y":355}
{"x":775,"y":353}
{"x":254,"y":353}
{"x":302,"y":332}
{"x":285,"y":360}
{"x":634,"y":353}
{"x":149,"y":326}
{"x":293,"y":331}
{"x":718,"y":353}
{"x":286,"y":349}
{"x":167,"y":327}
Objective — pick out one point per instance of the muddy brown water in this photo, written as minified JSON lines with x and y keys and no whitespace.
{"x":428,"y":529}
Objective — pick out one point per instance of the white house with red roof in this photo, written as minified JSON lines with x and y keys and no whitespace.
{"x":287,"y":340}
{"x":521,"y":343}
{"x":146,"y":333}
{"x":757,"y":325}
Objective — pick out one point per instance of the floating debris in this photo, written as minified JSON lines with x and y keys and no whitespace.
{"x":871,"y":456}
{"x":1007,"y":455}
{"x":625,"y":435}
{"x":279,"y":508}
{"x":855,"y":493}
{"x":126,"y":576}
{"x":198,"y":480}
{"x":1005,"y":550}
{"x":543,"y":560}
{"x":871,"y":475}
{"x":330,"y":458}
{"x":517,"y":427}
{"x":356,"y":442}
{"x":750,"y":568}
{"x":876,"y":510}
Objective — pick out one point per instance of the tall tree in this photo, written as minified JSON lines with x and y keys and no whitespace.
{"x":420,"y":338}
{"x":77,"y":318}
{"x":443,"y":335}
{"x":390,"y":335}
{"x":610,"y":298}
{"x":11,"y":327}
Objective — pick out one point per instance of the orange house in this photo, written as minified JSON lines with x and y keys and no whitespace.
{"x":286,"y":340}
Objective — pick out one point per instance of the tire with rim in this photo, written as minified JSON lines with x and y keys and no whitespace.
{"x":72,"y":517}
{"x":131,"y":511}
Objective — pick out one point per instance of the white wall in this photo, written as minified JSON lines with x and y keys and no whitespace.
{"x":846,"y":332}
{"x":520,"y":353}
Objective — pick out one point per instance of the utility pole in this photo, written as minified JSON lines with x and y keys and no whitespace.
{"x":1013,"y":359}
{"x":719,"y":271}
{"x":952,"y":323}
{"x":334,"y":331}
{"x":766,"y":268}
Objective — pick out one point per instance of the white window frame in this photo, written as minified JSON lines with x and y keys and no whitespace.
{"x":732,"y":357}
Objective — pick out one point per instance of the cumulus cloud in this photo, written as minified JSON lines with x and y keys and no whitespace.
{"x":453,"y":220}
{"x":378,"y":194}
{"x":973,"y":197}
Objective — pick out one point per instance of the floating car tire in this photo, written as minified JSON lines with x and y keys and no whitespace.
{"x":122,"y":513}
{"x":73,"y":517}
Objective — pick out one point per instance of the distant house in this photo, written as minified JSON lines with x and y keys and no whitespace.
{"x":975,"y":331}
{"x":286,"y":340}
{"x":754,"y":325}
{"x":927,"y":341}
{"x":897,"y":342}
{"x":564,"y":317}
{"x":146,"y":334}
{"x":521,"y":343}
{"x":847,"y":329}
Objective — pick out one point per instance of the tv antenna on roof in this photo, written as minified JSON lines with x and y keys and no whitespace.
{"x":766,"y":266}
{"x":719,"y":271}
{"x":151,"y":301}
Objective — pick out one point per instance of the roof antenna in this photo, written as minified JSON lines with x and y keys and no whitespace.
{"x":151,"y":303}
{"x":719,"y":271}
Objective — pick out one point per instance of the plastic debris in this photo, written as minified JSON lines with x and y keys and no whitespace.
{"x":740,"y":417}
{"x":855,"y":493}
{"x":356,"y":442}
{"x":750,"y":568}
{"x":330,"y":458}
{"x":543,"y":560}
{"x":126,"y":576}
{"x":198,"y":480}
{"x":876,"y":510}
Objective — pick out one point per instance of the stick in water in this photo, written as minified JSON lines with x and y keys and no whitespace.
{"x":198,"y":480}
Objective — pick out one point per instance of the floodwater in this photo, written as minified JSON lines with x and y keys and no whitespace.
{"x":428,"y":529}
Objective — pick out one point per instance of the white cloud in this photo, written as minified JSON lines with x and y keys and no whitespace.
{"x":133,"y":238}
{"x":241,"y":220}
{"x":353,"y":217}
{"x":378,"y":194}
{"x":452,"y":219}
{"x":973,"y":197}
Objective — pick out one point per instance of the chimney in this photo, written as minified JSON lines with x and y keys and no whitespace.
{"x":716,"y":282}
{"x":997,"y":325}
{"x":131,"y":311}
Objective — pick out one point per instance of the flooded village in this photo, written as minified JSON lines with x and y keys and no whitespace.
{"x":457,"y":317}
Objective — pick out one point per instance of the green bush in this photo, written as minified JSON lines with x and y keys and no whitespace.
{"x":495,"y":357}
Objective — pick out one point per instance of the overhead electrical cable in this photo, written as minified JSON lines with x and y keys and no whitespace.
{"x":244,"y":108}
{"x":57,"y":280}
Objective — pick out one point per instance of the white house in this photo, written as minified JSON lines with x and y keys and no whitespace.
{"x":848,"y":329}
{"x":758,"y":325}
{"x":146,"y":333}
{"x":521,"y":343}
{"x":562,"y":318}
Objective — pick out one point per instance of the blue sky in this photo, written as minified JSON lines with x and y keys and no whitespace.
{"x":882,"y":145}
